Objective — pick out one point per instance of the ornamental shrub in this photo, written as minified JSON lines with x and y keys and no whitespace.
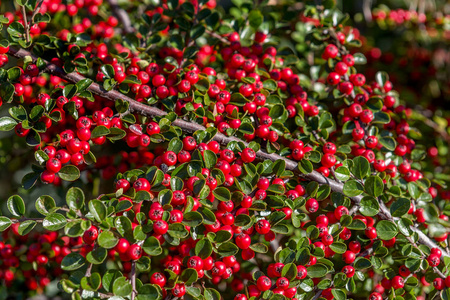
{"x":184,"y":149}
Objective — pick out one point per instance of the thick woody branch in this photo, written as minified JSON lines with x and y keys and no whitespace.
{"x":189,"y":127}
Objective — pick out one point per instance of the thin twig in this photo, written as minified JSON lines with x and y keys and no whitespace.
{"x":35,"y":11}
{"x":218,"y":36}
{"x":122,"y":15}
{"x":189,"y":127}
{"x":25,"y":24}
{"x":133,"y":279}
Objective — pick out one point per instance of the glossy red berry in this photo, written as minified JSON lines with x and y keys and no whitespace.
{"x":263,"y":283}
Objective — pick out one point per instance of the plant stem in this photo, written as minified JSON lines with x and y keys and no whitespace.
{"x":25,"y":24}
{"x":122,"y":15}
{"x":133,"y":280}
{"x":35,"y":11}
{"x":189,"y":127}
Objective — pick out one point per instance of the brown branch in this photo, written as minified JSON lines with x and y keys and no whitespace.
{"x":190,"y":127}
{"x":25,"y":24}
{"x":218,"y":36}
{"x":35,"y":11}
{"x":122,"y":15}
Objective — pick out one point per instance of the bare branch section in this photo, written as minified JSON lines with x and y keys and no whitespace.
{"x":222,"y":139}
{"x":122,"y":15}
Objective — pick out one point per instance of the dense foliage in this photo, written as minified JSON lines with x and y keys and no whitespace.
{"x":184,"y":150}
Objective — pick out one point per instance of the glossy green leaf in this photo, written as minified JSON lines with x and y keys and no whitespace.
{"x":69,"y":173}
{"x":54,"y":221}
{"x":107,"y":239}
{"x":386,"y":230}
{"x":16,"y":206}
{"x":72,"y":261}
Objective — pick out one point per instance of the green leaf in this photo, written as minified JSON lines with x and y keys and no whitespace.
{"x":386,"y":230}
{"x":212,"y":294}
{"x":72,"y":261}
{"x":7,"y":123}
{"x":44,"y":204}
{"x":203,"y":248}
{"x":33,"y":138}
{"x":177,"y":230}
{"x":84,"y":84}
{"x":148,"y":292}
{"x":4,"y":223}
{"x":276,"y":188}
{"x":270,"y":84}
{"x":400,"y":207}
{"x":338,"y":294}
{"x":152,"y":247}
{"x":305,"y":166}
{"x":36,"y":113}
{"x":69,"y":91}
{"x":18,"y":112}
{"x":259,"y":248}
{"x":381,"y":78}
{"x":192,"y":219}
{"x":360,"y":59}
{"x":108,"y":70}
{"x":381,"y":118}
{"x":75,"y":198}
{"x":107,"y":239}
{"x":418,"y":155}
{"x":357,"y":225}
{"x":222,"y":194}
{"x":42,"y":18}
{"x":189,"y":276}
{"x":116,"y":134}
{"x":193,"y":291}
{"x":413,"y":190}
{"x":289,"y":271}
{"x":26,"y":227}
{"x":342,"y":173}
{"x":374,"y":186}
{"x":69,"y":173}
{"x":317,"y":271}
{"x":16,"y":206}
{"x":362,"y":263}
{"x":277,"y":111}
{"x":54,"y":222}
{"x":210,"y":159}
{"x":16,"y":29}
{"x":175,"y":145}
{"x":361,"y":167}
{"x":338,"y":247}
{"x":97,"y":256}
{"x":227,"y":249}
{"x":369,"y":206}
{"x":122,"y":287}
{"x":98,"y":210}
{"x":255,"y":19}
{"x":388,"y":142}
{"x":353,"y":188}
{"x":99,"y":131}
{"x":91,"y":283}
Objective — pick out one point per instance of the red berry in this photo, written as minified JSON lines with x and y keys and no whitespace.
{"x":263,"y":283}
